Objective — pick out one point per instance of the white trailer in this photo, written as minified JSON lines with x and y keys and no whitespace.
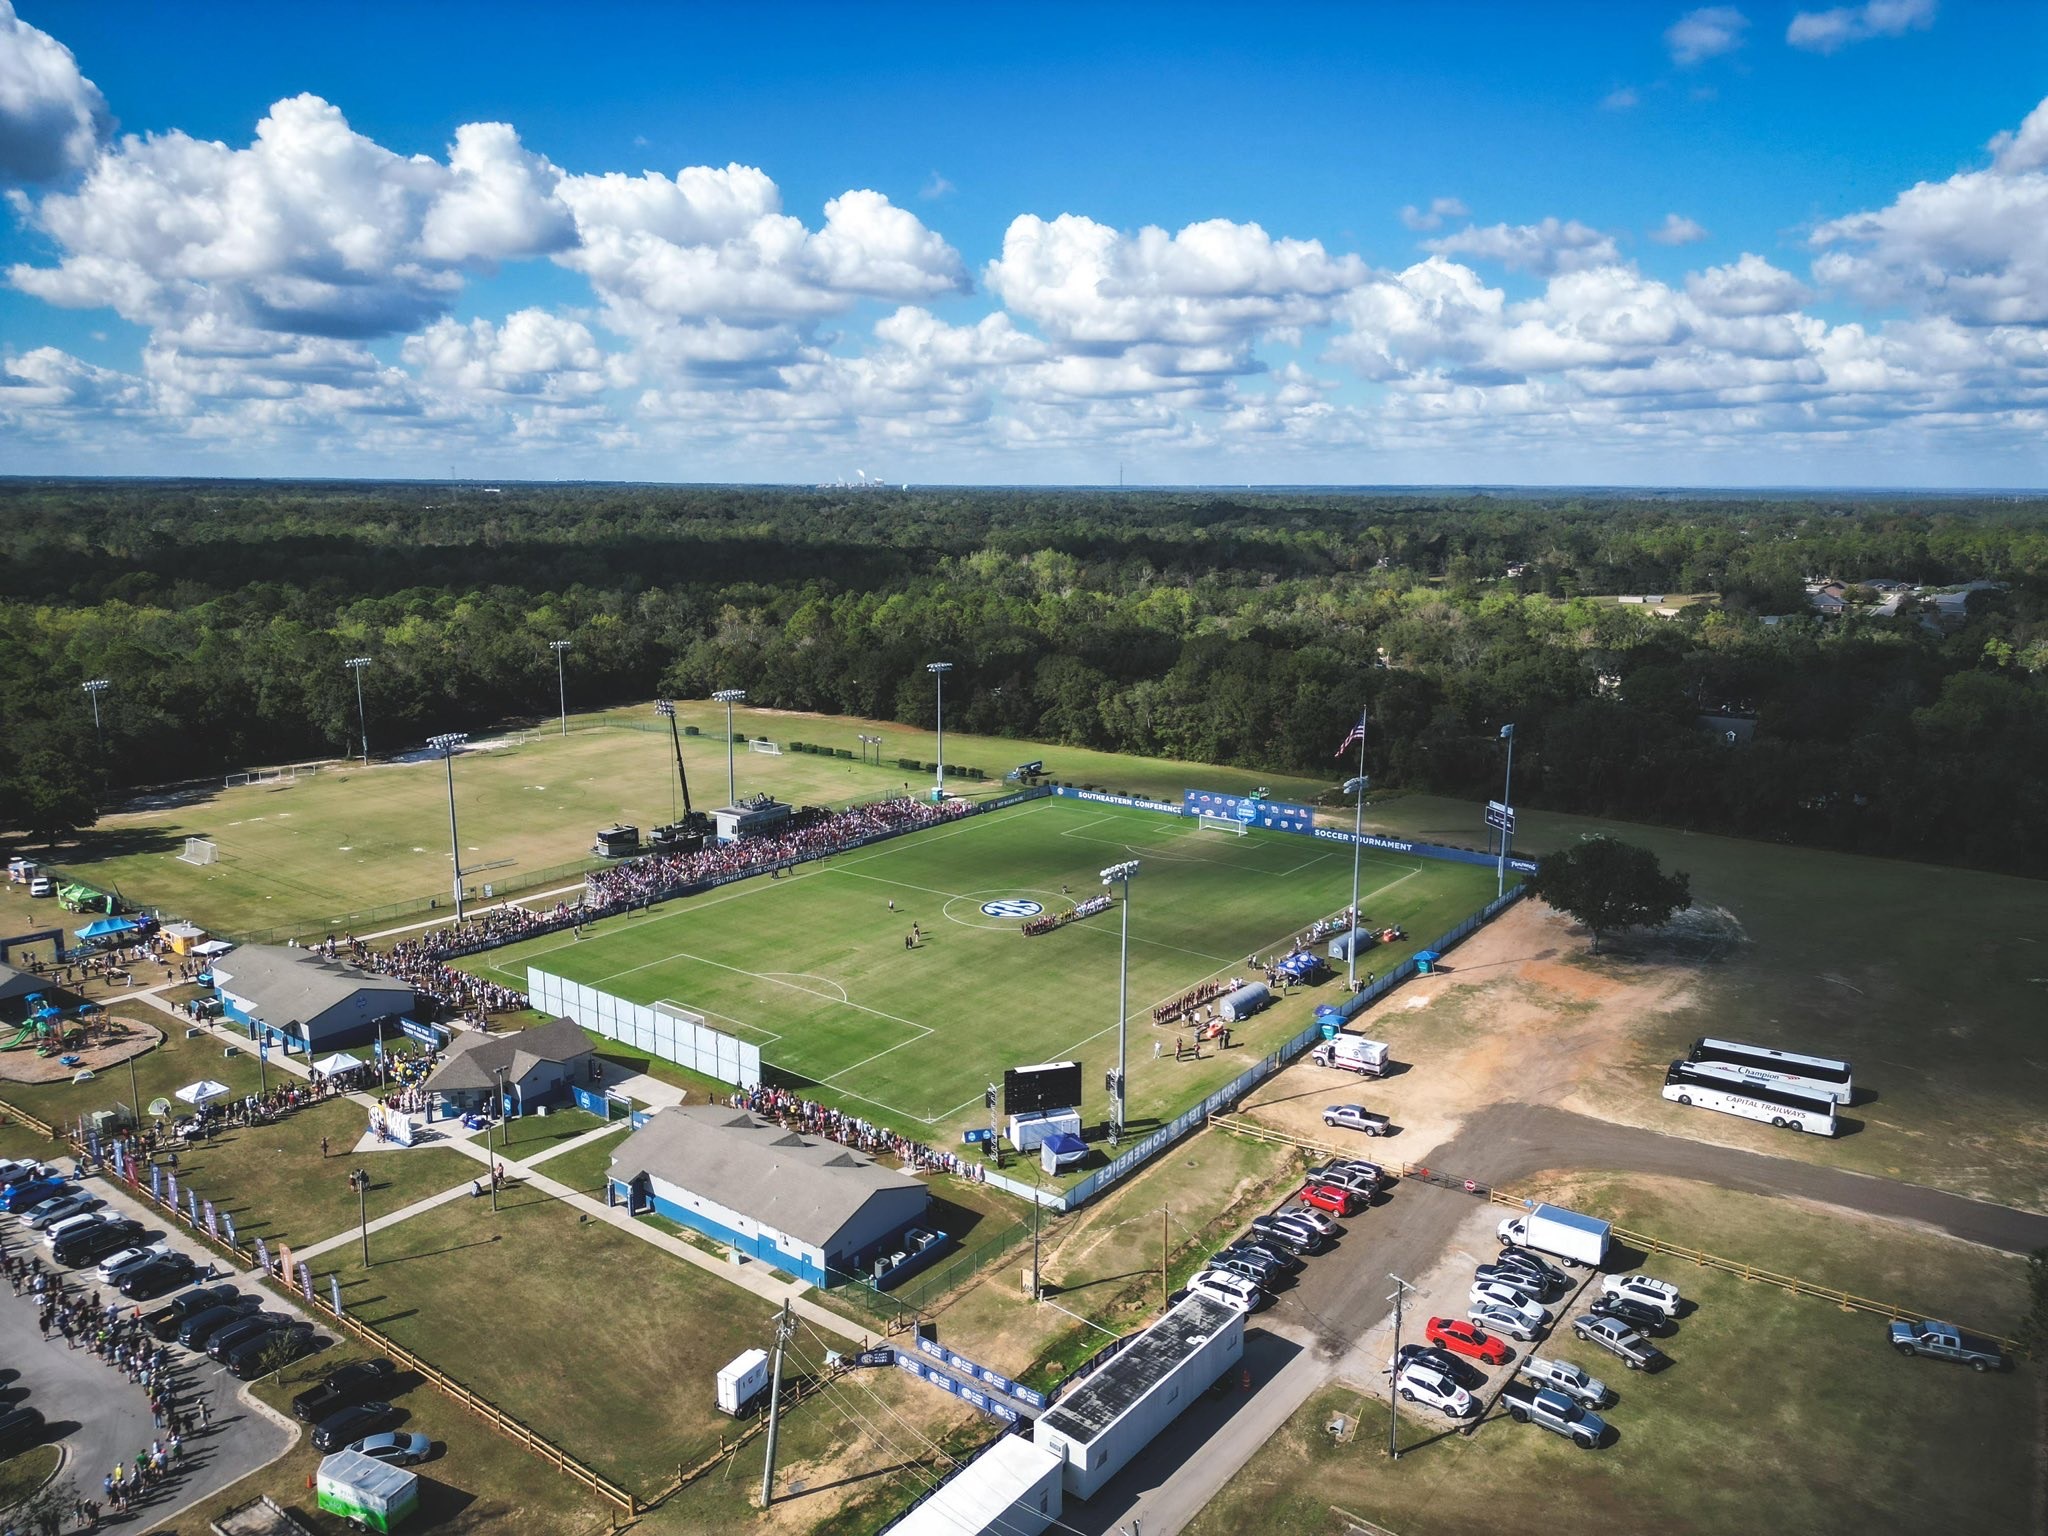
{"x":742,"y":1382}
{"x":1098,"y":1426}
{"x":1011,"y":1489}
{"x":1353,"y":1053}
{"x":1554,"y":1230}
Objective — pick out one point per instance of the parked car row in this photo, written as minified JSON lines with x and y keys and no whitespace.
{"x":1510,"y":1298}
{"x":1247,"y":1272}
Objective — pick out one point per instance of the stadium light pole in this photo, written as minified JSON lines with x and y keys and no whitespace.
{"x":446,"y":745}
{"x":1355,"y":787}
{"x":93,"y":690}
{"x":356,"y":664}
{"x":1121,"y":874}
{"x":729,"y":697}
{"x":561,"y":681}
{"x":1507,"y":789}
{"x":938,"y":670}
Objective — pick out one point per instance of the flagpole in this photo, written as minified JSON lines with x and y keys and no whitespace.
{"x":1357,"y":786}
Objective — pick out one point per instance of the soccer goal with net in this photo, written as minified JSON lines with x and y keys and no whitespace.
{"x":763,"y":745}
{"x":237,"y":780}
{"x":1228,"y":824}
{"x":199,"y":850}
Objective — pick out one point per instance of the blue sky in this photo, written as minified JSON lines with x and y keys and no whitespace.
{"x":1577,"y":244}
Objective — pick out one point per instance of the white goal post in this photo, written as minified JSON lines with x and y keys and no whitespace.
{"x":764,"y":745}
{"x":1228,"y":824}
{"x":199,"y":850}
{"x":237,"y":780}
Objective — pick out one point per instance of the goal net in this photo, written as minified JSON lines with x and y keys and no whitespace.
{"x":669,"y":1010}
{"x":763,"y":745}
{"x":237,"y":780}
{"x":1228,"y":824}
{"x":199,"y":850}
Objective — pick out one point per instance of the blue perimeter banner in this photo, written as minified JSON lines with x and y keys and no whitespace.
{"x":1271,"y":814}
{"x":1295,"y":818}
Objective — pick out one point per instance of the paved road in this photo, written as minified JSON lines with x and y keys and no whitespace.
{"x":1511,"y":1141}
{"x":102,"y":1419}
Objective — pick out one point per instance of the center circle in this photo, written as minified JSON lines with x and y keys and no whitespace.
{"x":1015,"y":906}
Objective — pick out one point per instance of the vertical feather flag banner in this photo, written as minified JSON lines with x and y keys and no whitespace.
{"x":334,"y":1290}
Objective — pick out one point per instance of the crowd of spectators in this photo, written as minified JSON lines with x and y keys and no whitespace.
{"x":795,"y":1113}
{"x":421,"y":962}
{"x":661,"y":875}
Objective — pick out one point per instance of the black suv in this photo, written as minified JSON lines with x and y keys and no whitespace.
{"x":96,"y":1242}
{"x":337,"y":1429}
{"x":1642,"y":1317}
{"x":349,"y":1385}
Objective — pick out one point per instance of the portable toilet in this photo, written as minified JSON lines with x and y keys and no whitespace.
{"x":1425,"y":962}
{"x":1329,"y":1020}
{"x":366,"y":1491}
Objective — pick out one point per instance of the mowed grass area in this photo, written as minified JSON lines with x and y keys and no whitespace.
{"x":814,"y":968}
{"x":477,"y":1480}
{"x":1779,"y":1413}
{"x":1933,"y":982}
{"x":602,"y":1343}
{"x":333,"y":848}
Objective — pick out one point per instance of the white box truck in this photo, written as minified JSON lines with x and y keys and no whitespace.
{"x":742,"y":1382}
{"x":1554,"y":1230}
{"x":1353,"y":1053}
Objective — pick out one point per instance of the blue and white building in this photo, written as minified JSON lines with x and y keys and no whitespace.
{"x":299,"y":999}
{"x":806,"y":1206}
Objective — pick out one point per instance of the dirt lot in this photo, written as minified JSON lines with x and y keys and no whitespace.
{"x":1522,"y":1015}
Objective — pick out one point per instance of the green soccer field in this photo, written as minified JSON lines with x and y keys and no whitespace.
{"x":814,"y":968}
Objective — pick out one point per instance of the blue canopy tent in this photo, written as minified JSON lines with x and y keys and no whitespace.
{"x":107,"y":928}
{"x":1059,"y":1150}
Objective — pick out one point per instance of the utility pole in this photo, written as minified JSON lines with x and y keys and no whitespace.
{"x":135,"y":1093}
{"x":1162,"y":1255}
{"x":1507,"y":790}
{"x":1037,"y":1211}
{"x":504,"y":1126}
{"x":359,"y":1181}
{"x":785,"y":1330}
{"x":1401,"y":1289}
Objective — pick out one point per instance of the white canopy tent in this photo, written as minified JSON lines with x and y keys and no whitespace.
{"x":340,"y":1061}
{"x":205,"y":1091}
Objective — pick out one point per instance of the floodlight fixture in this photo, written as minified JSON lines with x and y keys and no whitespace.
{"x":561,"y":683}
{"x":355,"y":664}
{"x":1115,"y":874}
{"x":729,"y":697}
{"x":446,"y":744}
{"x":938,"y":670}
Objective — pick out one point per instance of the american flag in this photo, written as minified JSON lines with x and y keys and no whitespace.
{"x":1357,"y":735}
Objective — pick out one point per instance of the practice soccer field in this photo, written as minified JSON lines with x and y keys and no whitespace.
{"x":814,"y":969}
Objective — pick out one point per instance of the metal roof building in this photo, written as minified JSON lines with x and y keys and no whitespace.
{"x":300,"y":996}
{"x":1011,"y":1489}
{"x":1097,"y":1427}
{"x":803,"y":1204}
{"x":538,"y":1063}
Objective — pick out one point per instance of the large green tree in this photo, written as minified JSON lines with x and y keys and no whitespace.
{"x":1607,"y":884}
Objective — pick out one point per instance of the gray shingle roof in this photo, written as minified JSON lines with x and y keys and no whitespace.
{"x":800,"y":1185}
{"x":288,"y":985}
{"x":473,"y":1058}
{"x":15,"y":984}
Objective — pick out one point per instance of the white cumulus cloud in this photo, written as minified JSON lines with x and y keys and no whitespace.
{"x":1553,"y":245}
{"x":1827,"y":31}
{"x":51,"y":117}
{"x":1432,"y":217}
{"x":1677,"y":229}
{"x":1974,"y":247}
{"x":1705,"y":34}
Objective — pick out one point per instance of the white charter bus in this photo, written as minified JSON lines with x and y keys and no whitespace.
{"x":1813,"y":1075}
{"x":1705,"y":1088}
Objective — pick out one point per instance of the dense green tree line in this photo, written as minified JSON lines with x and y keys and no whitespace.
{"x":1229,"y":629}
